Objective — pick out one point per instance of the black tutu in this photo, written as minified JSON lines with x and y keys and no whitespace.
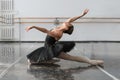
{"x":51,"y":49}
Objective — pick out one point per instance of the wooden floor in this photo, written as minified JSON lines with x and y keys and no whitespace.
{"x":14,"y":66}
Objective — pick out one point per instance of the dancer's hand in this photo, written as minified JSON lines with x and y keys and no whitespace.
{"x":85,"y":12}
{"x":28,"y":28}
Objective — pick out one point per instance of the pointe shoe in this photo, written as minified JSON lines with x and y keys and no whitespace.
{"x":96,"y":62}
{"x":31,"y":62}
{"x":28,"y":61}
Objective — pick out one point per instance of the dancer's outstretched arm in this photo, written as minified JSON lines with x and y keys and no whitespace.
{"x":44,"y":30}
{"x":70,"y":20}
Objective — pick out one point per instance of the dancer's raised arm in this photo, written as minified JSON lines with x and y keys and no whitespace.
{"x":70,"y":20}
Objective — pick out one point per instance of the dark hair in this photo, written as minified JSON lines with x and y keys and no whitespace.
{"x":70,"y":30}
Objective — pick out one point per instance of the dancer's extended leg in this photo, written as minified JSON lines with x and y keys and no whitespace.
{"x":79,"y":59}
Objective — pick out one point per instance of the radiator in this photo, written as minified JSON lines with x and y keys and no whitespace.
{"x":7,"y":33}
{"x":6,"y":19}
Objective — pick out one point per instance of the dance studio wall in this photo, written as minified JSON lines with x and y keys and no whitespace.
{"x":69,"y":8}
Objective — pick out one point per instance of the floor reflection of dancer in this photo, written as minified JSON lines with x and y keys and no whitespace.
{"x":54,"y":48}
{"x":53,"y":72}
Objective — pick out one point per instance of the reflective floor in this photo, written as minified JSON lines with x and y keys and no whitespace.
{"x":14,"y":66}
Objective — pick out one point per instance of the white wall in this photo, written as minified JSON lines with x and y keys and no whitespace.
{"x":69,"y":8}
{"x":45,"y":8}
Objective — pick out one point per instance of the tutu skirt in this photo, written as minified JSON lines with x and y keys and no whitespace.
{"x":49,"y":51}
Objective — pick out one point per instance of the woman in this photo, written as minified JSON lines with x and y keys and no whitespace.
{"x":53,"y":48}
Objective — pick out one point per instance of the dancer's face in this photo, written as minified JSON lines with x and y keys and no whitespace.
{"x":70,"y":30}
